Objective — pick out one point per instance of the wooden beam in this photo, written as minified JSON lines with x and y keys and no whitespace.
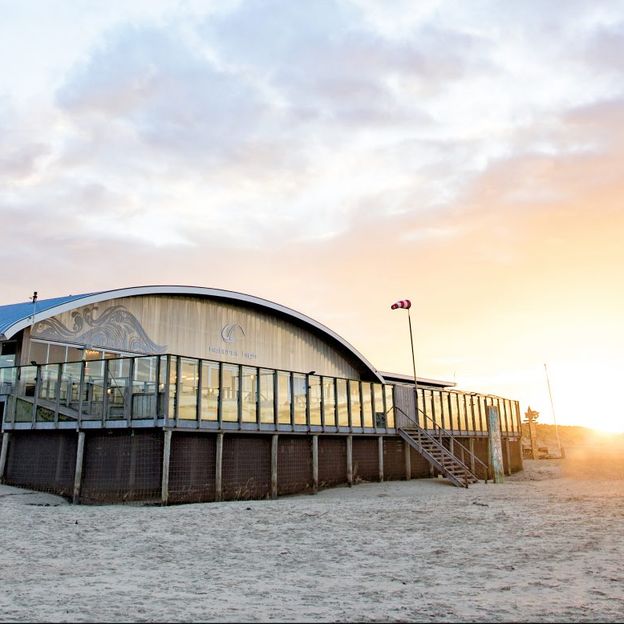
{"x":78,"y":472}
{"x":380,"y":457}
{"x":274,"y":455}
{"x":408,"y":460}
{"x":4,"y":453}
{"x":495,"y":444}
{"x":164,"y":488}
{"x":219,"y":469}
{"x":350,"y":460}
{"x":315,"y":464}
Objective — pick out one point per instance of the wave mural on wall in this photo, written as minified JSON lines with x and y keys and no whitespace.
{"x":116,"y":328}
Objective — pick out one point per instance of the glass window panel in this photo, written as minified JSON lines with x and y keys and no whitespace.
{"x":283,"y":398}
{"x":210,"y":391}
{"x":367,"y":404}
{"x":144,"y":387}
{"x":267,"y":399}
{"x":356,"y":406}
{"x":162,"y":385}
{"x":48,"y":378}
{"x":388,"y":390}
{"x":329,"y":401}
{"x":379,"y":417}
{"x":250,"y":390}
{"x":483,"y":407}
{"x":69,"y":388}
{"x":422,"y":407}
{"x":461,"y":411}
{"x":56,"y":353}
{"x":299,"y":394}
{"x":341,"y":403}
{"x":23,"y":409}
{"x":8,"y":353}
{"x":314,"y":383}
{"x":454,"y":415}
{"x":426,"y":408}
{"x":229,"y":393}
{"x":189,"y":387}
{"x":93,"y":354}
{"x":117,"y":387}
{"x":482,"y":413}
{"x":507,"y":420}
{"x":74,"y":355}
{"x":38,"y":352}
{"x":437,"y":408}
{"x":173,"y":375}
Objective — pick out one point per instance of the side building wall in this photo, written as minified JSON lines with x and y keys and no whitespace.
{"x":127,"y":465}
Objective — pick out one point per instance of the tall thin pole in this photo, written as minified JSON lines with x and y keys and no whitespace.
{"x":32,"y":321}
{"x":552,"y":407}
{"x":409,"y":320}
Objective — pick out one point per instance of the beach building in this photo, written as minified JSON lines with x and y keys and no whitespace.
{"x":181,"y":393}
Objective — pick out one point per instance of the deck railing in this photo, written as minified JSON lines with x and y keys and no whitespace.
{"x":183,"y":392}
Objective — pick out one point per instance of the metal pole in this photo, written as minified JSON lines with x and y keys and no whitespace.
{"x":552,"y":407}
{"x":32,"y":323}
{"x":409,"y":320}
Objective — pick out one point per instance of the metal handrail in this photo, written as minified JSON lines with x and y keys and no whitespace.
{"x":441,"y":446}
{"x":455,"y":441}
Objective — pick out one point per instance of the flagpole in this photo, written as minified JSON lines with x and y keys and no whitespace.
{"x":552,"y":407}
{"x":409,"y":320}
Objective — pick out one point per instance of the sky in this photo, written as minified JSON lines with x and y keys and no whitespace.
{"x":335,"y":156}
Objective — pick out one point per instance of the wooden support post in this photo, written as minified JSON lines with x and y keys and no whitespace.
{"x":79,"y":461}
{"x":408,"y":460}
{"x":219,"y":469}
{"x":274,"y":449}
{"x":495,"y":444}
{"x":350,"y":460}
{"x":4,"y":453}
{"x":508,"y":453}
{"x":315,"y":464}
{"x":380,"y":461}
{"x":472,"y":458}
{"x":164,"y":489}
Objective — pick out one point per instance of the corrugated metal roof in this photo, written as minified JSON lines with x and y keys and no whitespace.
{"x":11,"y":314}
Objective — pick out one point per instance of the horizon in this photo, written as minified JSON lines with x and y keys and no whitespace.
{"x":336,"y":157}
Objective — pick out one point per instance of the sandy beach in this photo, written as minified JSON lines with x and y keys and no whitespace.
{"x":544,"y":546}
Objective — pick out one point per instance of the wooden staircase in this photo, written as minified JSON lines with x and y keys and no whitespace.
{"x":439,"y":457}
{"x":428,"y":442}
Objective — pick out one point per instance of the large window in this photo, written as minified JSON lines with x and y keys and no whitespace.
{"x":329,"y":401}
{"x":342,"y":404}
{"x":283,"y":397}
{"x":367,"y":404}
{"x":210,"y":391}
{"x":314,"y":384}
{"x":143,"y":387}
{"x":189,"y":386}
{"x":356,"y":404}
{"x":250,"y":390}
{"x":378,"y":401}
{"x":389,"y":397}
{"x":299,"y":396}
{"x":266,"y":400}
{"x":229,"y":393}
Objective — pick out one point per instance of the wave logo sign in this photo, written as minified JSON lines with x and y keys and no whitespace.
{"x":231,"y":332}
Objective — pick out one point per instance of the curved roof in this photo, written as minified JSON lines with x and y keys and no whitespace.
{"x":14,"y":318}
